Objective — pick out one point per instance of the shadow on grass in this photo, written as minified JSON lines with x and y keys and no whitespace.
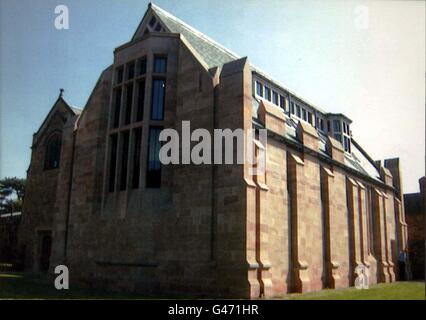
{"x":40,"y":286}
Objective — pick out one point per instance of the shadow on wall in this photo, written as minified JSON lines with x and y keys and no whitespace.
{"x":10,"y":255}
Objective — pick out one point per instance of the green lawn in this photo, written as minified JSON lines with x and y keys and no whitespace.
{"x":34,"y":286}
{"x":412,"y":290}
{"x":31,"y":286}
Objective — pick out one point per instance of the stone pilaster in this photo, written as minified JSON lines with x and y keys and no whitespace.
{"x":363,"y":229}
{"x":301,"y":281}
{"x":262,"y":247}
{"x":354,"y":228}
{"x":332,"y":229}
{"x":380,"y":237}
{"x":237,"y":264}
{"x":400,"y":226}
{"x":388,"y":214}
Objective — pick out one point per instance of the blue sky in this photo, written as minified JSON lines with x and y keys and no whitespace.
{"x":374,"y":75}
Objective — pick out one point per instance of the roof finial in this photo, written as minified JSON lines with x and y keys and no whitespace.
{"x":61,"y":92}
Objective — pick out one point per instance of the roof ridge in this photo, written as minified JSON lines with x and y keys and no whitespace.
{"x":194,"y":30}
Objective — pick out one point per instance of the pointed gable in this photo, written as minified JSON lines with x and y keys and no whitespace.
{"x":214,"y":54}
{"x":61,"y":111}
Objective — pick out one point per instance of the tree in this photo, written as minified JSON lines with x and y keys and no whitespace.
{"x":12,"y":190}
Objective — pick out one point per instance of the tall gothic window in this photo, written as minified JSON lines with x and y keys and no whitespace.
{"x":137,"y":134}
{"x":129,"y":101}
{"x":112,"y":162}
{"x":142,"y":66}
{"x":153,"y":172}
{"x":124,"y":159}
{"x":117,"y":106}
{"x":126,"y":166}
{"x":140,"y":100}
{"x":53,"y":152}
{"x":160,"y":64}
{"x":158,"y":99}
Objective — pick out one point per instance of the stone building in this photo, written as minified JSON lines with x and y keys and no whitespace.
{"x":99,"y":200}
{"x":415,"y":204}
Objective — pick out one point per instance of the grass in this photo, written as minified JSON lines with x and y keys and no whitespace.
{"x":36,"y":286}
{"x":413,"y":290}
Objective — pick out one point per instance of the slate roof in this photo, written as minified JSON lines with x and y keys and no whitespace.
{"x":213,"y":53}
{"x":216,"y":55}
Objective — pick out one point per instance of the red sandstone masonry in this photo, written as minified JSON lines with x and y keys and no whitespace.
{"x":211,"y":230}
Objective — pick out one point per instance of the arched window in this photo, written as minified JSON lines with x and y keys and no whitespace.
{"x":53,"y":152}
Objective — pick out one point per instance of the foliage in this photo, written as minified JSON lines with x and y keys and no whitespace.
{"x":12,"y":190}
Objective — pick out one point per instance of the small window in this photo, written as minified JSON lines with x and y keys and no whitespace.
{"x":292,"y":108}
{"x":119,"y":75}
{"x":130,"y":71}
{"x":142,"y":66}
{"x":259,"y":89}
{"x":310,"y":117}
{"x":345,"y":143}
{"x":158,"y":99}
{"x":152,"y":22}
{"x":321,"y":124}
{"x":267,"y":93}
{"x":153,"y":170}
{"x":53,"y":152}
{"x":157,"y":27}
{"x":298,"y":112}
{"x":160,"y":64}
{"x":275,"y":97}
{"x":338,"y":137}
{"x":328,"y":125}
{"x":304,"y":114}
{"x":337,"y":126}
{"x":282,"y":102}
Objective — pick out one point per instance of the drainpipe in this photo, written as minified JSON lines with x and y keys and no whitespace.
{"x":213,"y":219}
{"x":67,"y":215}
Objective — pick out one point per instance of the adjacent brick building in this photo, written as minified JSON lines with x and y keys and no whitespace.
{"x":9,"y":251}
{"x":415,"y":204}
{"x":99,"y":201}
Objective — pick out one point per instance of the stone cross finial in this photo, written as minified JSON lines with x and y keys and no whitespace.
{"x":61,"y":92}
